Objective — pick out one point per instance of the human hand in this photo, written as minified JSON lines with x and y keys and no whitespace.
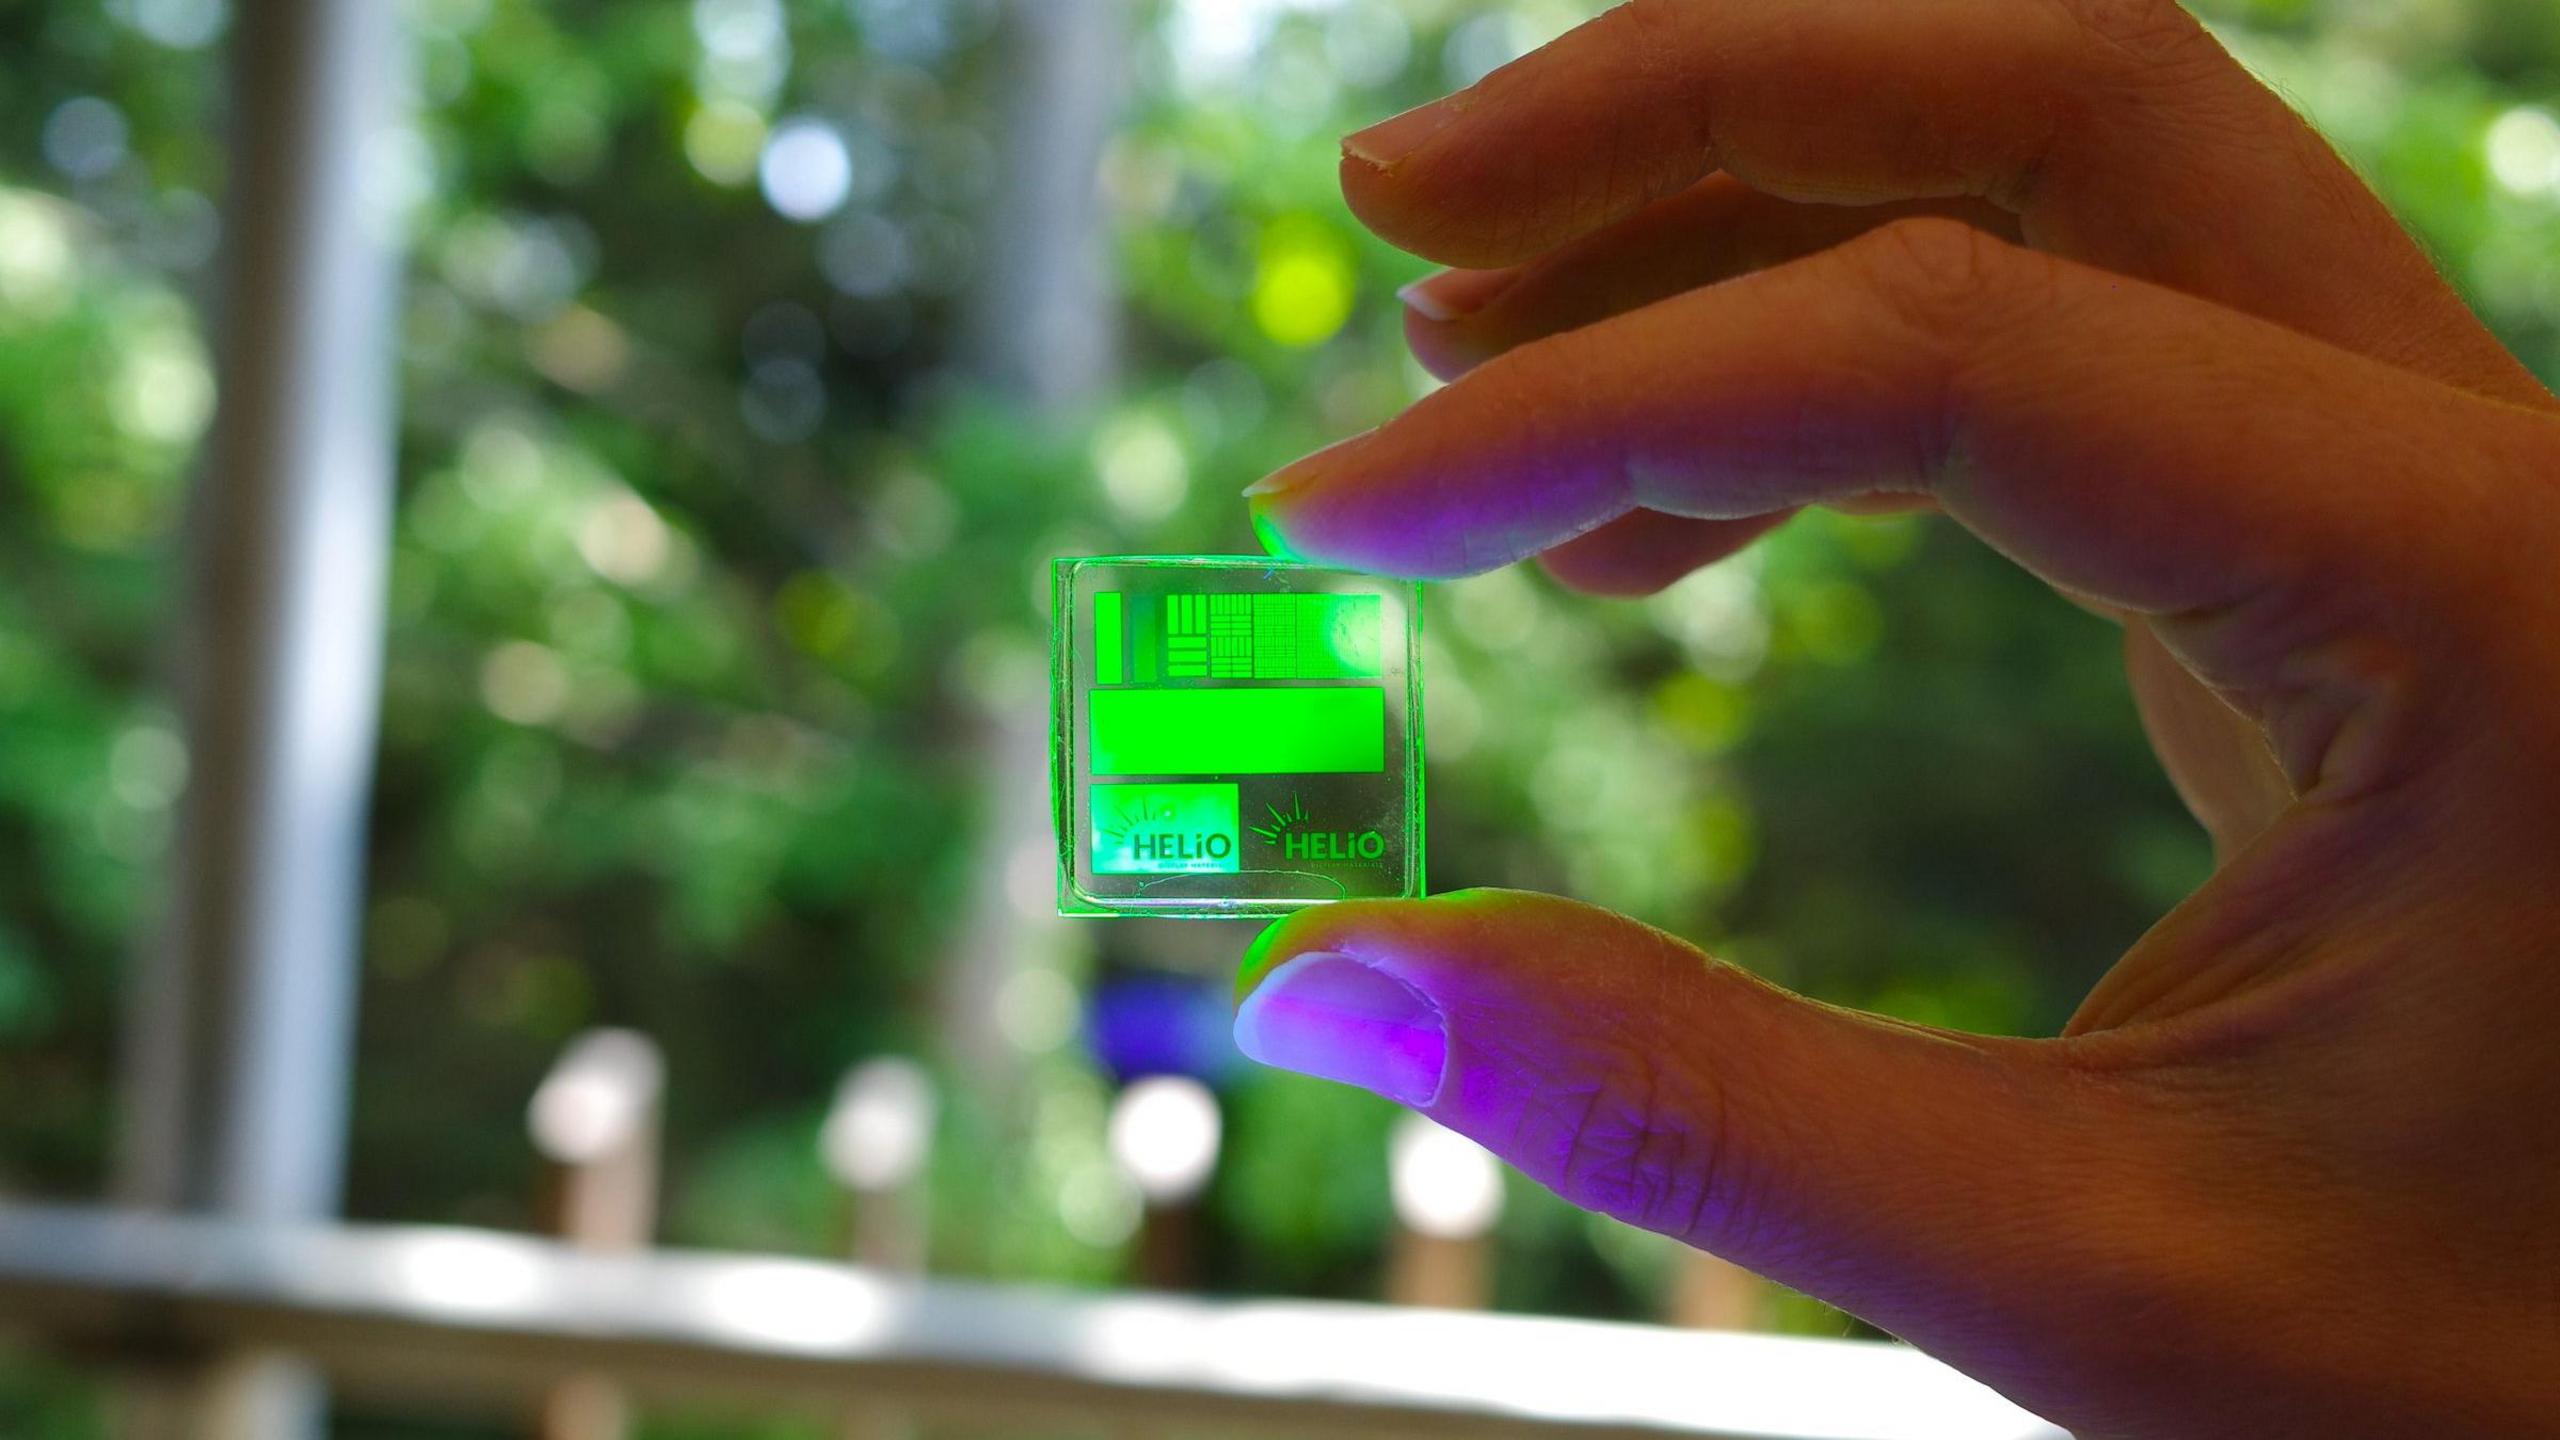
{"x":2063,"y":270}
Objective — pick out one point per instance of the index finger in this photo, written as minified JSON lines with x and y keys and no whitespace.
{"x":2121,"y":134}
{"x":2241,"y":480}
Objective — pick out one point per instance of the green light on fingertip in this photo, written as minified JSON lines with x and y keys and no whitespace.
{"x":1270,"y":536}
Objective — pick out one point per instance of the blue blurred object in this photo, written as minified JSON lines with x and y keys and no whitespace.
{"x":1143,"y":1025}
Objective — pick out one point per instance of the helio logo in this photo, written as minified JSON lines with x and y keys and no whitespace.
{"x":1297,"y":839}
{"x":1333,"y":845}
{"x":1182,"y":849}
{"x":1164,"y":829}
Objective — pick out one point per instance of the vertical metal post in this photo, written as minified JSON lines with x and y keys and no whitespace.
{"x":1043,"y":321}
{"x":1042,"y":334}
{"x":242,"y":1019}
{"x":238,"y":1059}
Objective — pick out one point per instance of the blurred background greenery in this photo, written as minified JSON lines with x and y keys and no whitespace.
{"x":752,"y":371}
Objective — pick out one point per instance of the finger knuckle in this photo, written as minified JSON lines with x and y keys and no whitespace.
{"x":2135,"y":29}
{"x":1941,"y":274}
{"x":1659,"y":33}
{"x":2121,"y":68}
{"x":1636,"y":1140}
{"x":1964,"y":307}
{"x":1649,"y":20}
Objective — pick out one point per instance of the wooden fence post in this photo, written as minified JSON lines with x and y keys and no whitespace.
{"x":1712,"y":1294}
{"x":1448,"y":1194}
{"x":595,"y":1121}
{"x":875,"y":1142}
{"x":1164,"y":1136}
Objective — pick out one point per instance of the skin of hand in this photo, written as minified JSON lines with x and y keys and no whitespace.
{"x":2064,"y":271}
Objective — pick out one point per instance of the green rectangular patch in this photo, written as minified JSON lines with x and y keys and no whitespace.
{"x":1108,"y":643}
{"x":1275,"y":730}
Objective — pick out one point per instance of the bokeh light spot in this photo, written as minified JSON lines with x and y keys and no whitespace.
{"x":1303,"y":283}
{"x":1164,"y":1132}
{"x":806,"y":171}
{"x":164,"y":389}
{"x":37,"y":263}
{"x":623,"y":539}
{"x":1141,"y":467}
{"x":523,"y":683}
{"x":1444,"y":1184}
{"x":178,"y":24}
{"x":722,"y":140}
{"x":85,"y":137}
{"x":2523,"y":147}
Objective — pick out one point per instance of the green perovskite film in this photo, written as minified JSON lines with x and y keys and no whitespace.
{"x":1291,"y":730}
{"x":1233,"y":736}
{"x":1109,"y":645}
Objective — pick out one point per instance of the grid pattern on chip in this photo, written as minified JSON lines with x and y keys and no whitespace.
{"x":1270,"y":637}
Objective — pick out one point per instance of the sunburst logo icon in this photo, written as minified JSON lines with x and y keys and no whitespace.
{"x":1131,"y":815}
{"x":1282,"y":824}
{"x":1296,"y":838}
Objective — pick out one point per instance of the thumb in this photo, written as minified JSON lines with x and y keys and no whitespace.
{"x":1938,"y":1185}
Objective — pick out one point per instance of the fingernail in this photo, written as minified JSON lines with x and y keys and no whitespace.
{"x":1301,"y":470}
{"x":1288,"y":477}
{"x":1397,"y":136}
{"x":1336,"y":1018}
{"x":1455,"y":294}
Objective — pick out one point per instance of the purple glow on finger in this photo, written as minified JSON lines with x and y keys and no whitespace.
{"x":1333,"y":1017}
{"x":1436,"y":531}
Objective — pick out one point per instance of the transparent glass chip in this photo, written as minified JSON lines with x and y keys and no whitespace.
{"x":1232,"y":736}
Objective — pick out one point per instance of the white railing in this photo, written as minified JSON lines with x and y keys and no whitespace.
{"x":464,"y":1320}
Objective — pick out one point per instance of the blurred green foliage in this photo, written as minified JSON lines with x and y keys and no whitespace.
{"x":715,"y":568}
